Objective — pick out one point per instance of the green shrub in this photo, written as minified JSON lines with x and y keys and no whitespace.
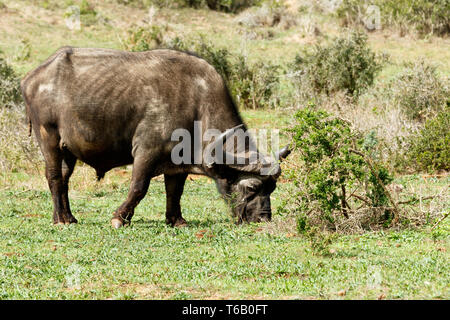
{"x":231,"y":5}
{"x":269,"y":14}
{"x":88,"y":15}
{"x":220,"y":58}
{"x":338,"y":178}
{"x":10,"y":94}
{"x":23,"y":52}
{"x":219,"y":5}
{"x":347,"y":64}
{"x":319,"y":240}
{"x":254,"y":85}
{"x":430,"y":148}
{"x":424,"y":16}
{"x":143,"y":38}
{"x":419,"y":92}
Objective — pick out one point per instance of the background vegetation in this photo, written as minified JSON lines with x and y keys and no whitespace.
{"x":359,"y":211}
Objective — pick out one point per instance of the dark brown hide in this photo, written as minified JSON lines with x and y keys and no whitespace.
{"x":110,"y":108}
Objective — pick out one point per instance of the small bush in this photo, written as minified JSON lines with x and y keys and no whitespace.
{"x":220,"y":58}
{"x":270,"y":14}
{"x":254,"y":85}
{"x":143,"y":38}
{"x":88,"y":14}
{"x":218,"y":5}
{"x":339,"y":179}
{"x":23,"y":52}
{"x":430,"y":148}
{"x":347,"y":64}
{"x":425,"y":16}
{"x":419,"y":92}
{"x":230,"y":5}
{"x":10,"y":94}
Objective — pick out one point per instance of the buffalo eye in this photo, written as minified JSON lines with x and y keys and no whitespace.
{"x":251,"y":184}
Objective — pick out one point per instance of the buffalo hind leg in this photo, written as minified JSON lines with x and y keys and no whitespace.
{"x":68,"y":164}
{"x":57,"y":174}
{"x":140,"y":181}
{"x":174,"y":189}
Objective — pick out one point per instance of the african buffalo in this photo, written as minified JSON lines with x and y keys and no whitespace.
{"x":111,"y":108}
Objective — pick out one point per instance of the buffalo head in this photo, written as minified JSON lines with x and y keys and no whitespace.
{"x":247,"y":186}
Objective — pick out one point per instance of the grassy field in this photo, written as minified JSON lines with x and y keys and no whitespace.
{"x":212,"y":258}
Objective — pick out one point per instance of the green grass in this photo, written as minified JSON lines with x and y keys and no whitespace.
{"x":211,"y":258}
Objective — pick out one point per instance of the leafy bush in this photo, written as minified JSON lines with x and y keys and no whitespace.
{"x":419,"y":92}
{"x":10,"y":94}
{"x":143,"y":38}
{"x":430,"y":148}
{"x":88,"y":14}
{"x":339,"y":178}
{"x":220,"y":58}
{"x":254,"y":85}
{"x":425,"y":16}
{"x":231,"y":5}
{"x":347,"y":64}
{"x":23,"y":52}
{"x":269,"y":14}
{"x":219,"y":5}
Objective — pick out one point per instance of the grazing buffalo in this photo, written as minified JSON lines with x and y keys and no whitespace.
{"x":111,"y":108}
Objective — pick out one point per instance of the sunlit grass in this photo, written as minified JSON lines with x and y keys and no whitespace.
{"x":212,"y":257}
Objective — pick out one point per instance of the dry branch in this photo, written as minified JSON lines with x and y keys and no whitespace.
{"x":385,"y":190}
{"x":440,"y":220}
{"x":414,"y":200}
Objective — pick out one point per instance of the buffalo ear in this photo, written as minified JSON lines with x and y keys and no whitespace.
{"x":221,"y":171}
{"x":250,"y":184}
{"x":282,"y":153}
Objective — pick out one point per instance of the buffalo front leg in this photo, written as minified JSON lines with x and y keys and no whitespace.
{"x":140,"y":181}
{"x":174,"y":189}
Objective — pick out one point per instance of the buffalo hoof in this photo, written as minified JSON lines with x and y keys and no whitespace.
{"x":65,"y":221}
{"x":178,"y":223}
{"x":116,"y":223}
